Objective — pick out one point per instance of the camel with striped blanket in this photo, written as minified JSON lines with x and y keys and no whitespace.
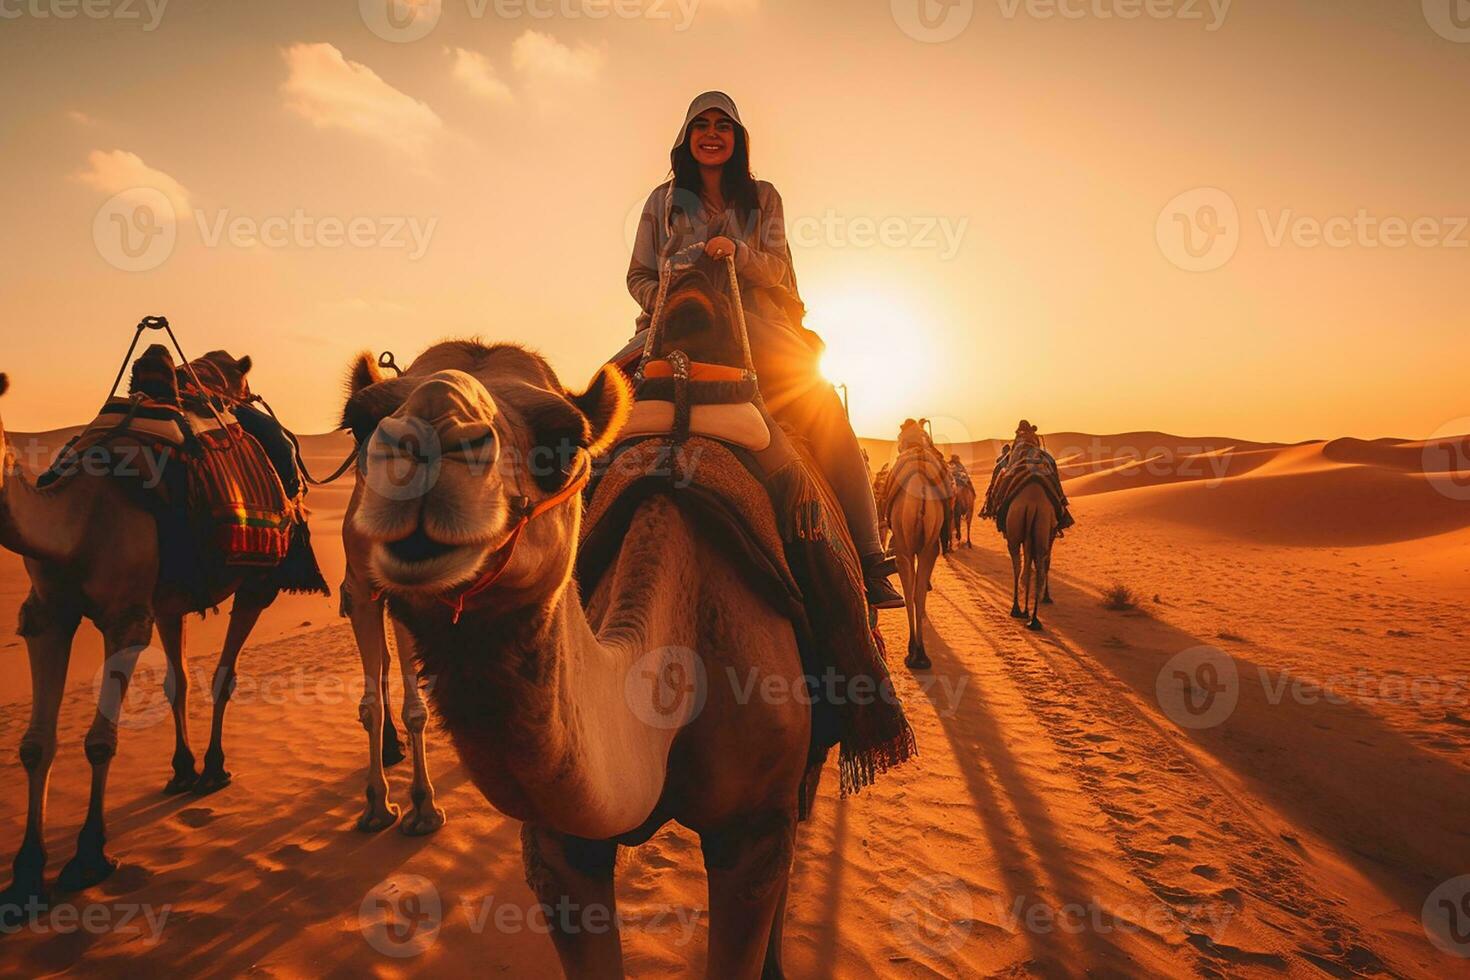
{"x":91,"y":550}
{"x":915,"y":504}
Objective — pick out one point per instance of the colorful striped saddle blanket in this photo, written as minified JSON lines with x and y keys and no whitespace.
{"x":1026,"y":465}
{"x":177,"y":458}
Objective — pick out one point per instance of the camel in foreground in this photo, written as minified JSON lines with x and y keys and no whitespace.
{"x":1031,"y":524}
{"x":91,"y":551}
{"x":918,"y":499}
{"x":594,"y":726}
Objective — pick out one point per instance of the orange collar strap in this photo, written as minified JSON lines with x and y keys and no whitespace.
{"x":503,"y":555}
{"x":698,"y":371}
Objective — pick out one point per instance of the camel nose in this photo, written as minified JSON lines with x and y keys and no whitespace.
{"x":450,"y":414}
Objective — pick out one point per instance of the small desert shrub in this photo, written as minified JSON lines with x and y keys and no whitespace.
{"x":1119,"y":598}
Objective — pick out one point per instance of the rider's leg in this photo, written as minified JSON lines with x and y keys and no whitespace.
{"x":796,"y":395}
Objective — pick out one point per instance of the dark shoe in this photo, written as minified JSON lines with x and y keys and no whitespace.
{"x":881,"y":595}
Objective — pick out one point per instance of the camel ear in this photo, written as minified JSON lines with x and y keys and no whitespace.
{"x":364,"y":372}
{"x":244,"y":364}
{"x":4,"y":383}
{"x":606,"y":403}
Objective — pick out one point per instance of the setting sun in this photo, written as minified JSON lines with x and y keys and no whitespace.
{"x":881,"y":347}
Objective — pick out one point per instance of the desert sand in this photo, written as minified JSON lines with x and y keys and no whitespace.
{"x":1064,"y":818}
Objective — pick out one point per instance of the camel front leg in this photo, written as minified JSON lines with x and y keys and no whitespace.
{"x":126,"y":635}
{"x":172,"y":636}
{"x":48,"y":634}
{"x":372,"y":647}
{"x":426,"y":816}
{"x":244,"y":614}
{"x":572,"y":878}
{"x":749,"y":865}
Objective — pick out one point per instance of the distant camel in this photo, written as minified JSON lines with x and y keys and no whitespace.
{"x":917,"y":501}
{"x":964,"y":510}
{"x":879,"y":482}
{"x":1031,"y":523}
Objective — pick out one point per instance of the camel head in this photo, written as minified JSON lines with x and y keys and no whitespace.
{"x":457,"y":451}
{"x":225,"y":373}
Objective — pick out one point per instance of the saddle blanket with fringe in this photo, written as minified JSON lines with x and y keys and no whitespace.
{"x":911,"y":463}
{"x":809,"y":570}
{"x":1026,"y":465}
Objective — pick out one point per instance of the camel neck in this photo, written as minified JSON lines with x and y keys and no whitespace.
{"x":522,"y":694}
{"x":33,"y":523}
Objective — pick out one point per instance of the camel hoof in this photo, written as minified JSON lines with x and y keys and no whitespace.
{"x":84,"y":871}
{"x":1016,"y":613}
{"x":181,"y":783}
{"x":1046,"y":600}
{"x":422,"y":823}
{"x":392,"y":754}
{"x":212,"y":781}
{"x":373,"y":821}
{"x":1034,"y":626}
{"x":918,"y":661}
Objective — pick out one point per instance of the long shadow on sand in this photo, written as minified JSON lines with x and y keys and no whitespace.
{"x":1396,"y":812}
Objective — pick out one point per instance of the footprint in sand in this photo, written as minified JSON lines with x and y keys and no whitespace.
{"x":196,"y":816}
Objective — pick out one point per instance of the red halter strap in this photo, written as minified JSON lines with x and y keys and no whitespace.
{"x":507,"y":551}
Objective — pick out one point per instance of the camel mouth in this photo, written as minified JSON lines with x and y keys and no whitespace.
{"x":420,"y":563}
{"x":418,"y":547}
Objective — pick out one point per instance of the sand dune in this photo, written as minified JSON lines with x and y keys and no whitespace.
{"x":1060,"y":819}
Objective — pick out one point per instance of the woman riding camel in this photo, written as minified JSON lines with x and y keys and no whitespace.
{"x":713,"y":207}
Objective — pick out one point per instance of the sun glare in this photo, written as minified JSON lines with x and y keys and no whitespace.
{"x":880,"y":349}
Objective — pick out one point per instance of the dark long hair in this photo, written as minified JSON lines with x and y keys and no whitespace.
{"x":736,"y":181}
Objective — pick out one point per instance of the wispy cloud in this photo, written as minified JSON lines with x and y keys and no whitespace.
{"x":474,"y":71}
{"x":80,"y":118}
{"x":333,"y":93}
{"x":542,"y":57}
{"x":118,"y":171}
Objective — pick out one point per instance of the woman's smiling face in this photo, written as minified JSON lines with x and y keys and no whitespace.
{"x":712,"y":138}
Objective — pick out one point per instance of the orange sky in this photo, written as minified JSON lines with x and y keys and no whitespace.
{"x":984,"y":223}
